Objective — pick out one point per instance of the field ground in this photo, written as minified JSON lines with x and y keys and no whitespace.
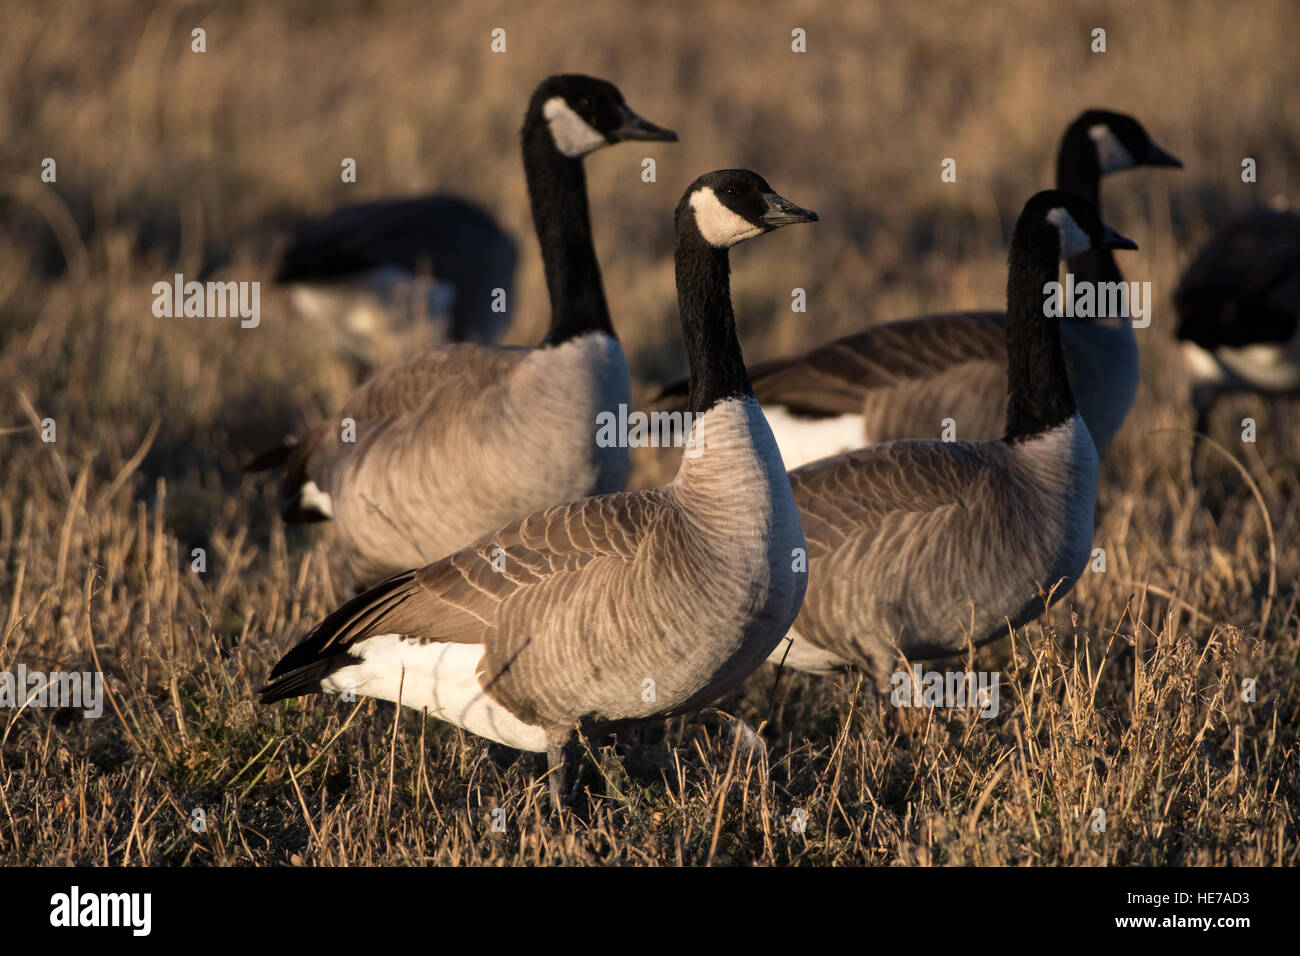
{"x":1127,"y":698}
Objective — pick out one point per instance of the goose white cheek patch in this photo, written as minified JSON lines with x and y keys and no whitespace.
{"x":573,"y":136}
{"x":717,"y":224}
{"x":1111,"y":154}
{"x":1073,"y":239}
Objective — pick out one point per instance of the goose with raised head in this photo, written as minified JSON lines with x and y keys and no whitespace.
{"x":613,"y":609}
{"x":1239,"y":311}
{"x":390,"y":275}
{"x":902,"y":379}
{"x":437,"y":450}
{"x":916,"y":548}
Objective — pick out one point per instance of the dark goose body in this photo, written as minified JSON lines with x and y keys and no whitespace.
{"x":1239,"y":310}
{"x":380,"y":271}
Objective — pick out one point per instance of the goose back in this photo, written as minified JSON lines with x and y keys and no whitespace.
{"x":522,"y":417}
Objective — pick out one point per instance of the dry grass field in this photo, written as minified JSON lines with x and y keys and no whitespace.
{"x":1126,"y":698}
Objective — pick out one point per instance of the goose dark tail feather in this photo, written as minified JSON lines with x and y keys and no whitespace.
{"x":273,"y":458}
{"x":325,"y":647}
{"x":305,"y":680}
{"x":293,"y":457}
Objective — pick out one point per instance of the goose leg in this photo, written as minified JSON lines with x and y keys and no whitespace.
{"x":1203,"y":398}
{"x":563,"y":760}
{"x":555,"y":767}
{"x":748,"y":738}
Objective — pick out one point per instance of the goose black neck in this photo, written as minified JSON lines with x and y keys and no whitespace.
{"x":557,"y":192}
{"x":1077,"y":172}
{"x":1039,"y":395}
{"x":717,"y":368}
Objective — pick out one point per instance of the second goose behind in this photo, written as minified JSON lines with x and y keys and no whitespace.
{"x":459,"y":440}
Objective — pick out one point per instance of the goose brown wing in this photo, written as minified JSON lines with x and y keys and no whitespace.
{"x":838,"y":378}
{"x":489,"y":592}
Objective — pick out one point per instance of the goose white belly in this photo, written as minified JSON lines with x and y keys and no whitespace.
{"x":802,"y":440}
{"x":438,"y":676}
{"x":799,"y":654}
{"x":1271,"y":367}
{"x":386,"y":287}
{"x":379,"y":315}
{"x":312,"y":500}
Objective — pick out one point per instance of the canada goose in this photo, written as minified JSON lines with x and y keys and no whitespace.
{"x":611,"y":609}
{"x":917,"y":546}
{"x":381,"y":275}
{"x":458,"y":440}
{"x":1239,"y":310}
{"x":903,"y":379}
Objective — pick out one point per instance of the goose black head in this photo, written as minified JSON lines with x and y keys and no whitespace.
{"x":1068,"y":224}
{"x":728,"y":206}
{"x":584,"y":113}
{"x":1120,"y":141}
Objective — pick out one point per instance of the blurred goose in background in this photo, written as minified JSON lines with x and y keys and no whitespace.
{"x":902,"y":379}
{"x":920,"y":548}
{"x":612,"y":609}
{"x":1239,"y":311}
{"x":389,"y":276}
{"x":458,"y":440}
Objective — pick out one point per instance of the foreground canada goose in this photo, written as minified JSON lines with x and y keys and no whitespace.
{"x":903,"y":379}
{"x":920,"y":547}
{"x":380,"y":276}
{"x":1239,"y":310}
{"x":612,"y":609}
{"x":458,"y":440}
